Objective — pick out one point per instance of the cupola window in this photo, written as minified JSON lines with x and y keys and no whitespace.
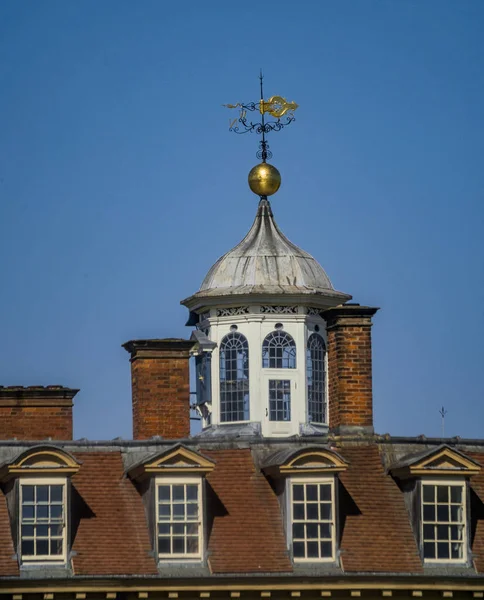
{"x":279,"y":351}
{"x":234,"y":378}
{"x":316,"y":378}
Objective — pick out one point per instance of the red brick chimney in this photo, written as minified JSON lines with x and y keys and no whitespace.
{"x":161,"y":388}
{"x":350,"y":402}
{"x":36,"y":413}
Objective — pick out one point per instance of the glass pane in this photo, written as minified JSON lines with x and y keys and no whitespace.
{"x":429,"y":512}
{"x":298,"y":492}
{"x":442,"y":532}
{"x":298,"y":531}
{"x":27,"y":530}
{"x":27,"y":512}
{"x":43,"y":511}
{"x":298,"y":549}
{"x":429,"y":550}
{"x":56,"y":530}
{"x":298,"y":511}
{"x":179,"y":528}
{"x":178,"y":545}
{"x":27,"y":547}
{"x":56,"y":511}
{"x":27,"y":493}
{"x":429,"y":493}
{"x":192,"y":510}
{"x":178,"y":511}
{"x":163,"y":529}
{"x":456,"y":514}
{"x":42,"y":531}
{"x":192,"y":492}
{"x":443,"y":514}
{"x":325,"y":511}
{"x":312,"y":492}
{"x":325,"y":531}
{"x":313,"y":550}
{"x":456,"y":532}
{"x":326,"y":550}
{"x":456,"y":494}
{"x":192,"y":545}
{"x":312,"y":511}
{"x":443,"y":550}
{"x":164,"y":511}
{"x":192,"y":529}
{"x":164,"y":493}
{"x":42,"y":493}
{"x":429,"y":532}
{"x":55,"y":547}
{"x":43,"y":547}
{"x":325,"y":492}
{"x":456,"y":550}
{"x":164,"y":545}
{"x":442,"y":493}
{"x":178,"y":492}
{"x":56,"y":493}
{"x":312,"y":531}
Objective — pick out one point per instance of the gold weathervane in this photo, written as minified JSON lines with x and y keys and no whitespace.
{"x":264,"y":179}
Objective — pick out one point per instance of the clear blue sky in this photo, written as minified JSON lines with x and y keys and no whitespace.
{"x":120,"y":184}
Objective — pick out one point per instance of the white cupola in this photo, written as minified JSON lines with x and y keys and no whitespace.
{"x":261,"y":339}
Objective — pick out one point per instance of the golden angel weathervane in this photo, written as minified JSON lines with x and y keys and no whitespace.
{"x":264,"y":179}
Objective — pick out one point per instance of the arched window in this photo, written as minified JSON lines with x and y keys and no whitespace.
{"x":234,"y":378}
{"x":279,"y":351}
{"x":316,"y":379}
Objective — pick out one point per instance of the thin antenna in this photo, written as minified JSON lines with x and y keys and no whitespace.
{"x":442,"y":413}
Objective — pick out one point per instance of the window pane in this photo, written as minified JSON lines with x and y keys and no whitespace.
{"x":42,"y":531}
{"x":42,"y":493}
{"x":298,"y":511}
{"x":234,"y":378}
{"x":28,"y":547}
{"x":456,"y":550}
{"x":312,"y":511}
{"x":298,"y":549}
{"x":56,"y":511}
{"x":325,"y":492}
{"x":178,"y":528}
{"x":42,"y":547}
{"x":443,"y":513}
{"x":27,"y":493}
{"x":192,"y":492}
{"x":442,"y":493}
{"x":164,"y":492}
{"x":326,"y":550}
{"x":164,"y":528}
{"x":27,"y":512}
{"x":164,"y":511}
{"x":456,"y":494}
{"x":312,"y":492}
{"x":456,"y":532}
{"x":429,"y":550}
{"x":298,"y":531}
{"x":164,"y":545}
{"x":443,"y":550}
{"x":178,"y":511}
{"x":429,"y":532}
{"x":429,"y":493}
{"x":456,"y":514}
{"x":192,"y":510}
{"x":42,"y":511}
{"x":298,"y":492}
{"x":429,"y":513}
{"x":192,"y":545}
{"x":178,"y":545}
{"x":442,"y":532}
{"x":313,"y":551}
{"x":192,"y":529}
{"x":312,"y":531}
{"x":325,"y":531}
{"x":27,"y":530}
{"x":56,"y":493}
{"x":325,"y":512}
{"x":178,"y":492}
{"x":56,"y":547}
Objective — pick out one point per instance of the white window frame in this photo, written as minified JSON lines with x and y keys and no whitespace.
{"x":445,"y":482}
{"x":58,"y":558}
{"x":181,"y":480}
{"x":301,"y":479}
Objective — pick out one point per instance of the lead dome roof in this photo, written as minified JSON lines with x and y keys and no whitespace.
{"x":265,"y":263}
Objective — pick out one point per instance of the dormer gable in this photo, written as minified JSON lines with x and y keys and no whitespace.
{"x":176,"y":460}
{"x":442,"y":461}
{"x":40,"y":460}
{"x":314,"y":461}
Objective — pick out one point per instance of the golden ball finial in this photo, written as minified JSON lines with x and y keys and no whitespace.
{"x":264,"y":179}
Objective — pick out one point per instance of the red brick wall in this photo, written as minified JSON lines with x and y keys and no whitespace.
{"x":36,"y":413}
{"x":350,"y":402}
{"x":160,"y":387}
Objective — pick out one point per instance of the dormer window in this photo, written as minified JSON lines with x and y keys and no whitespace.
{"x":443,"y":521}
{"x":179,"y":517}
{"x":437,"y":480}
{"x":310,"y":488}
{"x":42,"y":532}
{"x":176,"y":478}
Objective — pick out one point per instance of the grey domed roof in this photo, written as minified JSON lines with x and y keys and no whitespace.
{"x":266,"y":263}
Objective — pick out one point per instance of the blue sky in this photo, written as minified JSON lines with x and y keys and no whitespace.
{"x":120,"y":184}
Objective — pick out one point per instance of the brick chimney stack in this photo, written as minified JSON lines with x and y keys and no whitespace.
{"x":160,"y":387}
{"x":349,"y":368}
{"x":36,"y":412}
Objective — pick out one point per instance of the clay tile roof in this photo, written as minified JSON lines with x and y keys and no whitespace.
{"x":377,"y":535}
{"x":8,"y":566}
{"x":246,"y":512}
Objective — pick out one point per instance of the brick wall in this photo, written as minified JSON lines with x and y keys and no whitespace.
{"x":160,"y":388}
{"x":350,"y":402}
{"x":36,"y":413}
